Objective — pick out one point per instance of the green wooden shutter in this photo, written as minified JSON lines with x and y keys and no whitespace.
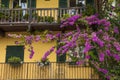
{"x":62,"y":3}
{"x":33,"y":3}
{"x":15,"y":51}
{"x":5,"y":3}
{"x":60,"y":58}
{"x":91,"y":2}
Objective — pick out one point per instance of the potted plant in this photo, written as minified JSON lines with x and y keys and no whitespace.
{"x":15,"y":60}
{"x":73,"y":58}
{"x":45,"y":62}
{"x":76,"y":54}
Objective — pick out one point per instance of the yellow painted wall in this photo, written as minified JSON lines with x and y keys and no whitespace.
{"x":40,"y":48}
{"x":47,"y":4}
{"x":42,"y":4}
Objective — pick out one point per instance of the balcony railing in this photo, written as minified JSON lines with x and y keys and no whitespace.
{"x":32,"y":71}
{"x":36,"y":15}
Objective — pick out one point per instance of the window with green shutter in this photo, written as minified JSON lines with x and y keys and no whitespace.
{"x":33,"y":3}
{"x":62,"y":3}
{"x":72,"y":3}
{"x":91,"y":2}
{"x":60,"y":58}
{"x":5,"y":3}
{"x":15,"y":51}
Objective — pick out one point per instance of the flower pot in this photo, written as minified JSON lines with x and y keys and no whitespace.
{"x":72,"y":63}
{"x":43,"y":64}
{"x":15,"y":64}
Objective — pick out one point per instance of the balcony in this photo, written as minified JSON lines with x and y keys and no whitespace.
{"x":34,"y":18}
{"x":53,"y":71}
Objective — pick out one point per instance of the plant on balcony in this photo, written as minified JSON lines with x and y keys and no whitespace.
{"x":1,"y":15}
{"x":26,"y":17}
{"x":48,"y":19}
{"x":45,"y":62}
{"x":4,"y":16}
{"x":90,"y":10}
{"x":73,"y":60}
{"x":15,"y":60}
{"x":34,"y":15}
{"x":16,"y":15}
{"x":75,"y":55}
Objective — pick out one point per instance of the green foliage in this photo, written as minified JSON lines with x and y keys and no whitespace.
{"x":14,"y":60}
{"x":65,"y":16}
{"x":3,"y":16}
{"x":16,"y":15}
{"x":74,"y":58}
{"x":90,"y":10}
{"x":93,"y":54}
{"x":26,"y":16}
{"x":39,"y":18}
{"x":44,"y":63}
{"x":45,"y":19}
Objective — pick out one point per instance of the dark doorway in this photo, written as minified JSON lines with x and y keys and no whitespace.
{"x":15,"y":3}
{"x":72,"y":3}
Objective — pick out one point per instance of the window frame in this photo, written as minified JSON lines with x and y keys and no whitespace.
{"x":14,"y":49}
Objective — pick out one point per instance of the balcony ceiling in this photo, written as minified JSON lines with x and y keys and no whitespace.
{"x":24,"y":27}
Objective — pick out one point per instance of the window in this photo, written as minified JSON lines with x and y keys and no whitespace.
{"x":15,"y":3}
{"x":76,"y":3}
{"x":72,"y":3}
{"x":15,"y":51}
{"x":61,"y":58}
{"x":5,"y":3}
{"x":20,"y":3}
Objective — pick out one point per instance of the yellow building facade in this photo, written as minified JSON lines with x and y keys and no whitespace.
{"x":39,"y":47}
{"x":29,"y":69}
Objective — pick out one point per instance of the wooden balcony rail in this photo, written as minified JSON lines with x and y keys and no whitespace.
{"x":53,"y":71}
{"x":36,"y":15}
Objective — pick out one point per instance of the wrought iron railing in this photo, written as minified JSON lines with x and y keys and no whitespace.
{"x":36,"y":15}
{"x":32,"y":70}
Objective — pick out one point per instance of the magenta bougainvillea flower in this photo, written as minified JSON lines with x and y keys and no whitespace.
{"x":29,"y":39}
{"x":97,"y":40}
{"x":47,"y":54}
{"x":70,"y":21}
{"x":101,"y":57}
{"x":117,"y":56}
{"x":108,"y":53}
{"x":37,"y":38}
{"x":117,"y":46}
{"x":88,"y":47}
{"x":116,"y":30}
{"x":99,"y":46}
{"x":105,"y":71}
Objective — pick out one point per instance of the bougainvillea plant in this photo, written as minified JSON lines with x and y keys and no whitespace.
{"x":97,"y":37}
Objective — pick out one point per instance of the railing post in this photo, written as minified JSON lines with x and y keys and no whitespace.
{"x":30,"y":17}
